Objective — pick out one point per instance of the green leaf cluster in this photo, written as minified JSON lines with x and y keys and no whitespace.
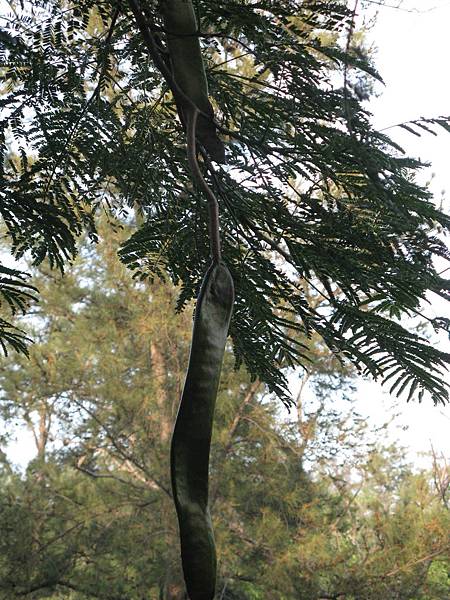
{"x":16,"y":293}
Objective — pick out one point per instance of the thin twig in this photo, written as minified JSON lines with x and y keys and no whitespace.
{"x":347,"y":50}
{"x":213,"y":206}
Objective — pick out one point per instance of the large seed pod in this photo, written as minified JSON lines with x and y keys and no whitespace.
{"x":192,"y":434}
{"x":188,"y":70}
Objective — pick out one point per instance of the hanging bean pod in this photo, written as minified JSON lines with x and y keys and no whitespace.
{"x":192,"y":434}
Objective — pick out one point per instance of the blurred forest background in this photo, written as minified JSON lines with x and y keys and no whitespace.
{"x":313,"y":506}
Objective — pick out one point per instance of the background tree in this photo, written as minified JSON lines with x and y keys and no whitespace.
{"x":305,"y":508}
{"x":310,"y":193}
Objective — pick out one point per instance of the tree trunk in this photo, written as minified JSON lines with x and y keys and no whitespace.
{"x":160,"y":381}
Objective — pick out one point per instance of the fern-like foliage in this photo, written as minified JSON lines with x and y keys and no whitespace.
{"x":16,"y":294}
{"x":424,"y":125}
{"x":324,"y":228}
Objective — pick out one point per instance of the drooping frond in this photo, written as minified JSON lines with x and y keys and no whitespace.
{"x":15,"y":297}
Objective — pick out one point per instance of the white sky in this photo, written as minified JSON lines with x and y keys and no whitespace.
{"x":413,"y":52}
{"x":412,"y":57}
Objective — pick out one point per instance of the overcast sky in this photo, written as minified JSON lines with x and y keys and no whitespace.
{"x":413,"y":51}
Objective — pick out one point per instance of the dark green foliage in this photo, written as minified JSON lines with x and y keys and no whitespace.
{"x":311,"y":193}
{"x":15,"y":296}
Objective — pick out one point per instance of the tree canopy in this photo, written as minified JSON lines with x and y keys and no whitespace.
{"x":324,"y":228}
